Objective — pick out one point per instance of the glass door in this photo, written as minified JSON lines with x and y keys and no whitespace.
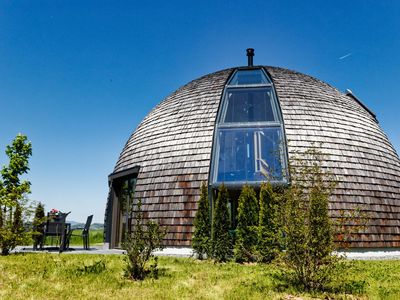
{"x":125,"y":192}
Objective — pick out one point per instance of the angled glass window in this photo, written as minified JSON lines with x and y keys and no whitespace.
{"x":249,"y":105}
{"x":249,"y":154}
{"x":250,"y":145}
{"x":246,"y":77}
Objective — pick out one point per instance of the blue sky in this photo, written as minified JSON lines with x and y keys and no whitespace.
{"x":78,"y":76}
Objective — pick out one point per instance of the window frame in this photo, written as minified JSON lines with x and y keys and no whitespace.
{"x":242,"y":125}
{"x":232,"y":77}
{"x":225,"y":105}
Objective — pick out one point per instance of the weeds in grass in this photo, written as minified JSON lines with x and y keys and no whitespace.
{"x":29,"y":276}
{"x":95,"y":268}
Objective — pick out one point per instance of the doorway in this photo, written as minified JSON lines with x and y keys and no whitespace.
{"x":124,"y":192}
{"x":123,"y":186}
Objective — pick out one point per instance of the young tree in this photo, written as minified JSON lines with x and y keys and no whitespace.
{"x":140,"y":244}
{"x":308,"y":227}
{"x":38,"y":226}
{"x":268,"y":245}
{"x":12,"y":194}
{"x":221,"y":239}
{"x":246,"y":230}
{"x":201,"y":241}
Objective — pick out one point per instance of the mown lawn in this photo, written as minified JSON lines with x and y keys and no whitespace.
{"x":95,"y":238}
{"x":53,"y":276}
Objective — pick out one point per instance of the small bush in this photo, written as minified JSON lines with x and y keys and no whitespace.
{"x":221,"y":239}
{"x":38,"y":226}
{"x":308,"y":227}
{"x":246,"y":231}
{"x":201,"y":241}
{"x":268,"y":246}
{"x":140,"y":244}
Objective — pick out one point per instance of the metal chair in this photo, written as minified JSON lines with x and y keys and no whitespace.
{"x":57,"y":227}
{"x":84,"y":234}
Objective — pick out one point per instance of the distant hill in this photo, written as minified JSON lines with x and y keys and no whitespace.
{"x":94,"y":226}
{"x":97,"y":226}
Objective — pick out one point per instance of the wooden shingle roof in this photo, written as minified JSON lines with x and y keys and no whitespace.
{"x":172,"y":146}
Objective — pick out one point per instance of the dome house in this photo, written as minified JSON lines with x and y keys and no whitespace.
{"x":242,"y":125}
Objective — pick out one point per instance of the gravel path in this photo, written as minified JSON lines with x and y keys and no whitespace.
{"x":188,"y":252}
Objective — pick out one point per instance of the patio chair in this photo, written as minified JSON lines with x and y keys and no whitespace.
{"x":57,"y":227}
{"x":84,"y":234}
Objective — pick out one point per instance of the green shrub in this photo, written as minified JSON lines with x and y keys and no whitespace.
{"x":308,"y":227}
{"x":38,"y":226}
{"x":201,"y":241}
{"x":246,"y":230}
{"x":268,"y":245}
{"x":221,"y":239}
{"x":139,"y":245}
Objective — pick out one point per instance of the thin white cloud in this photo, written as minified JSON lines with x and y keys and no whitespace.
{"x":345,"y":56}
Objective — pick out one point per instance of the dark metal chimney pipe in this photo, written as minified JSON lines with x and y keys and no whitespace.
{"x":250,"y":54}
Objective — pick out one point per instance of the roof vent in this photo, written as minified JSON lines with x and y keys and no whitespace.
{"x":250,"y":54}
{"x":350,"y":94}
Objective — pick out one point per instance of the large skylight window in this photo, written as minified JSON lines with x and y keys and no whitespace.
{"x":250,"y":145}
{"x":245,"y":77}
{"x":249,"y":105}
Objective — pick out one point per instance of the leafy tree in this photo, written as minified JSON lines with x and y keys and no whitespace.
{"x":201,"y":241}
{"x":221,"y":239}
{"x":308,"y":227}
{"x":140,"y":244}
{"x":12,"y":194}
{"x":246,"y":230}
{"x":38,"y":226}
{"x":268,"y":245}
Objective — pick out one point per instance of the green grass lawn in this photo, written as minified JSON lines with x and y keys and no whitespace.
{"x":53,"y":276}
{"x":95,"y":238}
